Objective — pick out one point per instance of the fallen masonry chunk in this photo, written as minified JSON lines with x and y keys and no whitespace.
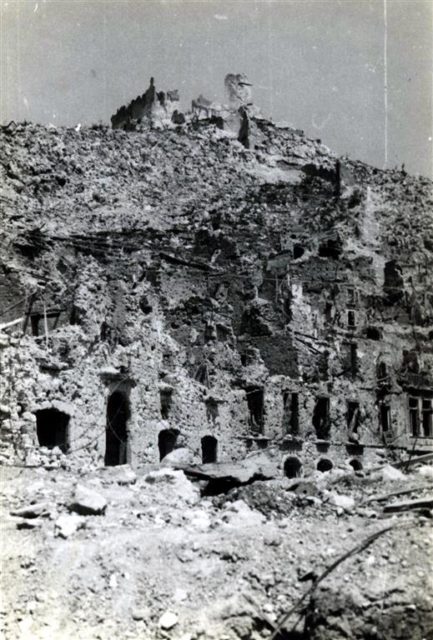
{"x":391,"y":473}
{"x":88,"y":502}
{"x":422,"y":503}
{"x":34,"y":523}
{"x":32,"y":511}
{"x":345,"y":502}
{"x":168,"y":620}
{"x":224,"y":476}
{"x":67,"y":524}
{"x":122,"y":474}
{"x":304,"y":488}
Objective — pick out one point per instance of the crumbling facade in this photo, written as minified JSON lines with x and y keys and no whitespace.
{"x":212,"y":288}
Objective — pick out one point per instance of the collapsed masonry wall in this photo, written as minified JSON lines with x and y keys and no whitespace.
{"x":224,"y":292}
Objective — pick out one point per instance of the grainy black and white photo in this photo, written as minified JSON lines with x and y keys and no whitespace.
{"x":216,"y":320}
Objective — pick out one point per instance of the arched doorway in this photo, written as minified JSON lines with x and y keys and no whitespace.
{"x":209,"y":449}
{"x":292,"y":467}
{"x":356,"y":464}
{"x":324,"y":464}
{"x":116,"y":435}
{"x":167,"y":441}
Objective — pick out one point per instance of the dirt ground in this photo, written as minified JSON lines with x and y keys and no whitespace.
{"x":164,"y":562}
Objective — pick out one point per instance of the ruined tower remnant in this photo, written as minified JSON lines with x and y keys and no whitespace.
{"x":238,"y":90}
{"x":155,"y":107}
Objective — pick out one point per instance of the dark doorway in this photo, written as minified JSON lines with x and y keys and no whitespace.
{"x":414,"y":417}
{"x":116,"y":435}
{"x":290,"y":412}
{"x":211,"y":410}
{"x":167,"y":441}
{"x":321,"y":418}
{"x":324,"y":464}
{"x":385,"y":417}
{"x":352,"y":417}
{"x":255,"y":399}
{"x":52,"y":429}
{"x":351,"y":321}
{"x":166,"y":396}
{"x":292,"y":467}
{"x":209,"y":449}
{"x":356,"y":465}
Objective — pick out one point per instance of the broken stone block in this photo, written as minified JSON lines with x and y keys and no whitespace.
{"x":168,"y":620}
{"x":168,"y":476}
{"x":347,"y":503}
{"x":32,"y":511}
{"x":34,"y":523}
{"x":178,"y":456}
{"x":88,"y":502}
{"x":140,"y":614}
{"x":391,"y":473}
{"x":425,"y":471}
{"x":67,"y":524}
{"x":122,"y":474}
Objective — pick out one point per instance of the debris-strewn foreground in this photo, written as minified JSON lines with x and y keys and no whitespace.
{"x":112,"y":554}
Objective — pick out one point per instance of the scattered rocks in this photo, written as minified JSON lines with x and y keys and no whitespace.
{"x":67,"y":524}
{"x":347,"y":503}
{"x":32,"y":511}
{"x":88,"y":502}
{"x":390,"y":473}
{"x":168,"y":620}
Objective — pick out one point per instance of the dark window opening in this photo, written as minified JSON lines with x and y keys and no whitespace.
{"x":202,"y":375}
{"x":34,"y":319}
{"x":104,"y":332}
{"x":255,"y":399}
{"x":385,"y":417}
{"x":321,"y":421}
{"x":211,"y":410}
{"x":427,"y":415}
{"x":52,"y":429}
{"x":351,"y":320}
{"x":287,"y":308}
{"x":290,"y":412}
{"x":352,"y":417}
{"x":356,"y":465}
{"x":298,"y":251}
{"x":393,"y":286}
{"x":292,"y":467}
{"x":373,"y":333}
{"x":145,"y":306}
{"x":167,"y":439}
{"x":350,"y":358}
{"x":324,"y":464}
{"x":382,"y":372}
{"x":413,"y":417}
{"x":352,"y":297}
{"x":209,"y":449}
{"x":116,"y":435}
{"x":330,"y":249}
{"x":41,"y":322}
{"x":166,"y":397}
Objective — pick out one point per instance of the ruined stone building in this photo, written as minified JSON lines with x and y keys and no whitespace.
{"x":219,"y":283}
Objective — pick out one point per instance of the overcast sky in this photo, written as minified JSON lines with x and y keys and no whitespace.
{"x":318,"y":65}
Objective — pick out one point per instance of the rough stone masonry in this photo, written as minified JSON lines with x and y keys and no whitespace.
{"x":214,"y":282}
